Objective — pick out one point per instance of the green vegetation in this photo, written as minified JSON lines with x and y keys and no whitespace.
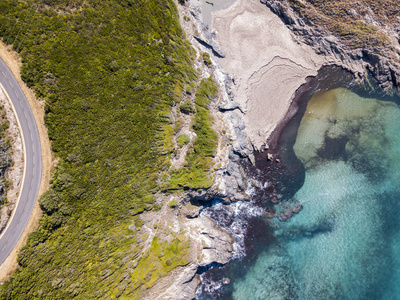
{"x":161,"y":258}
{"x":187,"y":107}
{"x":173,"y":203}
{"x":207,"y":59}
{"x":109,"y":71}
{"x":196,"y":172}
{"x":183,"y":140}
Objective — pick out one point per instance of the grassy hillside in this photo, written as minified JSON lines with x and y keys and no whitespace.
{"x":109,"y":71}
{"x":195,"y":172}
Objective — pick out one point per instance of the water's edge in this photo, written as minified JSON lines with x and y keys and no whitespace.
{"x":275,"y":170}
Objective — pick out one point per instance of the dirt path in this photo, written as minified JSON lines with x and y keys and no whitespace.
{"x":13,"y":61}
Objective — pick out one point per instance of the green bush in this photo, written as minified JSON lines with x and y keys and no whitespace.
{"x":187,"y":107}
{"x":207,"y":59}
{"x":173,"y":203}
{"x":50,"y":201}
{"x":183,"y":140}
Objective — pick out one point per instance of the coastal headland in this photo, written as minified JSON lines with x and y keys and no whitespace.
{"x":184,"y":173}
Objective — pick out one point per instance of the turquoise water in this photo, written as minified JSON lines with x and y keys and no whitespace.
{"x":345,"y":243}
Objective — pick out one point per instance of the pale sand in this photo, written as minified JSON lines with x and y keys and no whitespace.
{"x":13,"y":61}
{"x":266,"y":62}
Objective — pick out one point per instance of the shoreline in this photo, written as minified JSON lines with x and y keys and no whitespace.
{"x":260,"y":65}
{"x":263,"y":81}
{"x":246,"y":73}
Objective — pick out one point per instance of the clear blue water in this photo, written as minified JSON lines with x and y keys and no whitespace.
{"x":345,"y":243}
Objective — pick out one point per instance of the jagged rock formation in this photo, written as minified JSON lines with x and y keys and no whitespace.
{"x":209,"y":244}
{"x":360,"y":34}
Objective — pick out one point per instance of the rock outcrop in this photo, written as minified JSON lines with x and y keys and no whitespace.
{"x":380,"y":56}
{"x":209,"y":243}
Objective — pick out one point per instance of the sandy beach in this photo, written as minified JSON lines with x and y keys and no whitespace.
{"x":265,"y":61}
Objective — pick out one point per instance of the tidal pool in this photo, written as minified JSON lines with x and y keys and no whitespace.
{"x":345,"y":243}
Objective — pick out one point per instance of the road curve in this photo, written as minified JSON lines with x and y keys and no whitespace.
{"x":32,"y":163}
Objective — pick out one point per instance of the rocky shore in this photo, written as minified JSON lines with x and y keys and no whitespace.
{"x":380,"y":56}
{"x":261,"y":53}
{"x":215,"y":220}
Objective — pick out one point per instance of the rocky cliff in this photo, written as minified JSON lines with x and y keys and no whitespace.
{"x":360,"y":34}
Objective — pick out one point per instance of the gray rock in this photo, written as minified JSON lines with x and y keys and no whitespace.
{"x":241,"y":143}
{"x":380,"y":61}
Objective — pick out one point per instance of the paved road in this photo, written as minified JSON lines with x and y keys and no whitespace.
{"x":33,"y":163}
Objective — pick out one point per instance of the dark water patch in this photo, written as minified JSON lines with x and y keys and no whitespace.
{"x":302,"y":232}
{"x":334,"y":148}
{"x":203,"y":269}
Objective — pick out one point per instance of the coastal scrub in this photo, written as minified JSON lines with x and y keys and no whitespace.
{"x":196,"y":172}
{"x":109,"y":73}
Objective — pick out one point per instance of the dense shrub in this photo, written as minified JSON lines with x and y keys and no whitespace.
{"x":196,"y":173}
{"x":187,"y":107}
{"x":109,"y":72}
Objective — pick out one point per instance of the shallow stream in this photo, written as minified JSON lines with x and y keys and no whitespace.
{"x":345,"y":243}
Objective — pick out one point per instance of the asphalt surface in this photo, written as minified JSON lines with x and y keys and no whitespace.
{"x":33,"y":163}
